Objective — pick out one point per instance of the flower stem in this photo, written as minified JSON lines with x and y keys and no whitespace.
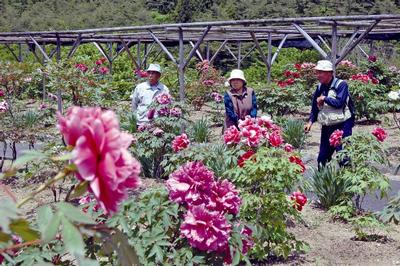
{"x":59,"y":176}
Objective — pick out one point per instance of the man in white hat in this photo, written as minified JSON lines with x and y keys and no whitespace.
{"x":240,"y":101}
{"x":331,"y":101}
{"x":145,"y":92}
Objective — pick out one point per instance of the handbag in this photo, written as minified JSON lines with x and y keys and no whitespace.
{"x":328,"y":115}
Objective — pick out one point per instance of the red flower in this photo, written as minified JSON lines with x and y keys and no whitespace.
{"x":299,"y":200}
{"x":103,"y":70}
{"x":372,"y":58}
{"x":246,"y":156}
{"x":81,"y":67}
{"x":151,"y":113}
{"x":275,"y":139}
{"x":375,"y":80}
{"x":296,"y":75}
{"x":2,"y":94}
{"x":206,"y":230}
{"x":287,"y":73}
{"x":190,"y":184}
{"x":380,"y":134}
{"x":164,"y":98}
{"x":298,"y":161}
{"x":288,"y":147}
{"x":290,"y":81}
{"x":141,"y":73}
{"x":336,"y":138}
{"x":180,"y":142}
{"x":232,"y":135}
{"x":297,"y":66}
{"x":100,"y":154}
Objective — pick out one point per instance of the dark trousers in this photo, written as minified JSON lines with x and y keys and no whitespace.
{"x":325,"y":149}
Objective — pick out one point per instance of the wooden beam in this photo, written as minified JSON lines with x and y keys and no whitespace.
{"x":278,"y":49}
{"x":163,"y":47}
{"x":248,"y":52}
{"x":334,"y":47}
{"x":324,"y":42}
{"x":12,"y":52}
{"x":40,"y":48}
{"x":310,"y":40}
{"x":197,"y":51}
{"x":130,"y":54}
{"x":239,"y":61}
{"x":269,"y":57}
{"x":264,"y":58}
{"x":218,"y":50}
{"x":74,"y":46}
{"x":148,"y":52}
{"x":34,"y":53}
{"x":121,"y":51}
{"x":356,"y":42}
{"x":230,"y":51}
{"x":102,"y":51}
{"x":181,"y":67}
{"x":196,"y":46}
{"x":350,"y":41}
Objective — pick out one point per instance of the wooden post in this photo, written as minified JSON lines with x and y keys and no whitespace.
{"x":138,"y":53}
{"x":239,"y":55}
{"x":208,"y":51}
{"x":334,"y":47}
{"x":278,"y":49}
{"x":218,"y":50}
{"x":181,"y":67}
{"x":310,"y":40}
{"x":143,"y":65}
{"x":269,"y":57}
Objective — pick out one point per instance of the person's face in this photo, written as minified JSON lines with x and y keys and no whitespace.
{"x":237,"y":84}
{"x":324,"y":76}
{"x":153,"y":77}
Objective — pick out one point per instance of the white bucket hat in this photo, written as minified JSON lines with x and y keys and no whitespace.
{"x":237,"y":74}
{"x":324,"y":65}
{"x":154,"y":67}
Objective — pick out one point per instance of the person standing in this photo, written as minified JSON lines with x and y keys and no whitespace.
{"x":239,"y":100}
{"x":333,"y":107}
{"x":145,"y":92}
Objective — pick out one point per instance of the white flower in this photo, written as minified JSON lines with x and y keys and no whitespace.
{"x":394,"y":95}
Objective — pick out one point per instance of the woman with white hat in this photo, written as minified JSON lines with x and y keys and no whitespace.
{"x":239,"y":100}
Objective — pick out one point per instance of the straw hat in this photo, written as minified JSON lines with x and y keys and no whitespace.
{"x":237,"y":74}
{"x":324,"y":65}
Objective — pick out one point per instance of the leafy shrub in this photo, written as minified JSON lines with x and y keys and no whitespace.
{"x":200,"y":131}
{"x":293,"y":133}
{"x":281,"y":101}
{"x":391,"y":213}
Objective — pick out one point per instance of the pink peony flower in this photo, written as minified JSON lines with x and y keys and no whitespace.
{"x":2,"y":93}
{"x":151,"y":113}
{"x":265,"y":121}
{"x":299,"y":200}
{"x":190,"y":184}
{"x":3,"y":106}
{"x":275,"y":139}
{"x":298,"y":161}
{"x":252,"y":135}
{"x":42,"y":106}
{"x":142,"y":127}
{"x":248,"y":121}
{"x":158,"y":132}
{"x":206,"y":230}
{"x":103,"y":70}
{"x":52,"y":96}
{"x":380,"y":134}
{"x":246,"y":156}
{"x":180,"y":142}
{"x":208,"y":82}
{"x":176,"y":112}
{"x":288,"y":147}
{"x":101,"y":61}
{"x":217,"y":97}
{"x":224,"y":198}
{"x":163,"y":111}
{"x":81,"y":67}
{"x":372,"y":58}
{"x":164,"y":98}
{"x":100,"y":154}
{"x":335,"y":139}
{"x":232,"y":135}
{"x":247,"y":241}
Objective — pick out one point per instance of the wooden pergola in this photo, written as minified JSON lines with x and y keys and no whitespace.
{"x":322,"y":33}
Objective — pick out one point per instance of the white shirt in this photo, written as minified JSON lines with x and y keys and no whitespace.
{"x":143,"y":96}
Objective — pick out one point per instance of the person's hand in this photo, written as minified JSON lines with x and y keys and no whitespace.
{"x":321,"y":100}
{"x":307,"y":127}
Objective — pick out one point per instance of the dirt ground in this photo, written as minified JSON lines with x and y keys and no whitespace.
{"x":330,"y":242}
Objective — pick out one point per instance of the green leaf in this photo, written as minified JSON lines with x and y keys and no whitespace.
{"x":4,"y":237}
{"x":126,"y":254}
{"x":45,"y":215}
{"x":64,"y":157}
{"x":79,"y":190}
{"x":8,"y":211}
{"x":52,"y":228}
{"x":72,"y":239}
{"x":74,"y":214}
{"x":28,"y":156}
{"x":21,"y":228}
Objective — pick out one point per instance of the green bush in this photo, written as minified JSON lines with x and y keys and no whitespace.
{"x":293,"y":133}
{"x":200,"y":131}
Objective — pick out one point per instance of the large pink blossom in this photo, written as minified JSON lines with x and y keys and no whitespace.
{"x":275,"y":139}
{"x":180,"y":142}
{"x":380,"y":134}
{"x":176,"y":112}
{"x":265,"y":121}
{"x":103,"y":70}
{"x":81,"y":67}
{"x":288,"y":147}
{"x":206,"y":230}
{"x":190,"y":184}
{"x":100,"y":154}
{"x":224,"y":197}
{"x":164,"y":98}
{"x":164,"y":111}
{"x":335,"y":139}
{"x":232,"y":135}
{"x":252,"y":134}
{"x":247,"y":121}
{"x":3,"y":106}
